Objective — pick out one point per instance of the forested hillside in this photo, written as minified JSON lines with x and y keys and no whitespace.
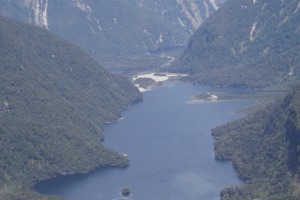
{"x":109,"y":28}
{"x":54,"y":101}
{"x":265,"y":150}
{"x":246,"y":43}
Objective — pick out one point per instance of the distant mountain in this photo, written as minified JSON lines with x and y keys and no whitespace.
{"x":110,"y":28}
{"x":252,"y":43}
{"x":264,"y":148}
{"x":54,"y":101}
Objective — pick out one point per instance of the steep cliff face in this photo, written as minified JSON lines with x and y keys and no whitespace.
{"x":189,"y":14}
{"x":109,"y":28}
{"x":32,"y":11}
{"x":246,"y":42}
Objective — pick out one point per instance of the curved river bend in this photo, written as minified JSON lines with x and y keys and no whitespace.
{"x":170,"y":147}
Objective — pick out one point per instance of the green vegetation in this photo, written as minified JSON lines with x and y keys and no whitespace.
{"x":126,"y":28}
{"x":56,"y":100}
{"x":255,"y":45}
{"x":147,"y":83}
{"x":261,"y":97}
{"x":111,"y":30}
{"x":126,"y":192}
{"x":246,"y":45}
{"x":265,"y":150}
{"x":132,"y":65}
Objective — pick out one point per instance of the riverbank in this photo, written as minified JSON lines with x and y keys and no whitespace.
{"x":261,"y":98}
{"x":263,"y":147}
{"x":148,"y":81}
{"x":155,"y":134}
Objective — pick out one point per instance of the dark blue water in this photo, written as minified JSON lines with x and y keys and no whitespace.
{"x":170,"y":147}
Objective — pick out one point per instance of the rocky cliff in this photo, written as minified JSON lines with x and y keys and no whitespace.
{"x":110,"y":28}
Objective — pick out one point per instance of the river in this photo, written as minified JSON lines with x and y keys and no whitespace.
{"x":169,"y":144}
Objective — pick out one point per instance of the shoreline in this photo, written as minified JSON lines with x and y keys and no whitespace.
{"x":157,"y":77}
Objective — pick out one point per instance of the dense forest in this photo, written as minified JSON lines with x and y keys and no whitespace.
{"x":265,"y":150}
{"x":54,"y":101}
{"x":109,"y":28}
{"x":245,"y":43}
{"x":253,"y":44}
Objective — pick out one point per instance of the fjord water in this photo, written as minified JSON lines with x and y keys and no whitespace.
{"x":169,"y":144}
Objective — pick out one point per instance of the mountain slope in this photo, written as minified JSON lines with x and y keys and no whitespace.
{"x":246,"y":43}
{"x":110,"y":28}
{"x":264,"y":148}
{"x":54,"y":101}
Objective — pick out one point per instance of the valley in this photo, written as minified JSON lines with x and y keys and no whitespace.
{"x":169,"y":147}
{"x":108,"y":29}
{"x":178,"y":87}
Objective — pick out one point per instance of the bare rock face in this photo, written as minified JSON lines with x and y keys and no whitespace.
{"x":30,"y":11}
{"x":111,"y":28}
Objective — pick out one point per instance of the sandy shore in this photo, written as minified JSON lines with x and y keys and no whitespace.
{"x":157,"y":77}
